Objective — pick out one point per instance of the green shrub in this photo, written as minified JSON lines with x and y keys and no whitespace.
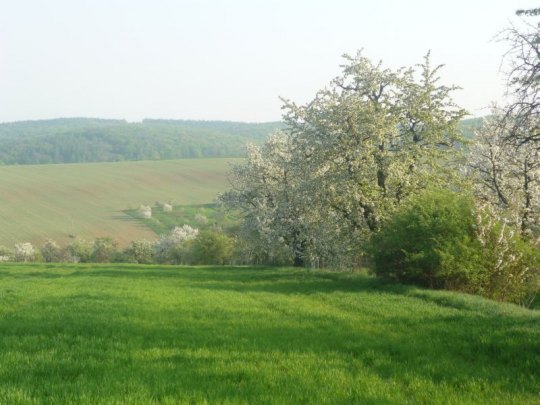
{"x":513,"y":262}
{"x":79,"y":251}
{"x":104,"y":250}
{"x":430,"y":241}
{"x":212,"y":247}
{"x":51,"y":252}
{"x":140,"y":251}
{"x":6,"y":254}
{"x":439,"y":239}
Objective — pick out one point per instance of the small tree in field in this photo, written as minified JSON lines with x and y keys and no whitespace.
{"x":24,"y":252}
{"x":212,"y":247}
{"x":51,"y":252}
{"x":79,"y":251}
{"x":174,"y":247}
{"x":145,"y":211}
{"x":507,"y":173}
{"x":104,"y":250}
{"x":140,"y":251}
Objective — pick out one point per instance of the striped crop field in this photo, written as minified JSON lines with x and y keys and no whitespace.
{"x":87,"y":200}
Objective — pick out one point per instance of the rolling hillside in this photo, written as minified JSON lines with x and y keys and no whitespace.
{"x":87,"y":200}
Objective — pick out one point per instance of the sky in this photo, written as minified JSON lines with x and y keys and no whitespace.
{"x":231,"y":60}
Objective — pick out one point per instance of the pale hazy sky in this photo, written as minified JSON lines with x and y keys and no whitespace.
{"x":230,"y":60}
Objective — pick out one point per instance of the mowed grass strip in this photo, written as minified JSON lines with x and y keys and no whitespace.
{"x":154,"y":334}
{"x":87,"y":200}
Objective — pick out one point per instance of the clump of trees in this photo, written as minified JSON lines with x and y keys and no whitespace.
{"x":316,"y":192}
{"x":444,"y":239}
{"x":182,"y":245}
{"x":356,"y":176}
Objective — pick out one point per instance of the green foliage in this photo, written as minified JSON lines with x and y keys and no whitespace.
{"x":104,"y":250}
{"x":212,"y":247}
{"x":77,"y":140}
{"x":189,"y":214}
{"x":79,"y":251}
{"x":155,"y":334}
{"x":512,"y":262}
{"x":440,"y":239}
{"x":346,"y":160}
{"x":51,"y":252}
{"x":140,"y":251}
{"x":5,"y":253}
{"x":430,"y":241}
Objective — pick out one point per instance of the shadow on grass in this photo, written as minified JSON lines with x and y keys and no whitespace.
{"x":255,"y":279}
{"x":174,"y":352}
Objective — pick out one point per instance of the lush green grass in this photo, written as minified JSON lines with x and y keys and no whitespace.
{"x":87,"y":200}
{"x":200,"y":216}
{"x":144,"y":334}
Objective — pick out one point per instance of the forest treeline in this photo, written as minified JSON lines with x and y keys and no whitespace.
{"x":84,"y":140}
{"x":79,"y":140}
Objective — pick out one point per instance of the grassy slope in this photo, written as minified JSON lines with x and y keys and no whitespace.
{"x":87,"y":199}
{"x":164,"y":334}
{"x":162,"y":222}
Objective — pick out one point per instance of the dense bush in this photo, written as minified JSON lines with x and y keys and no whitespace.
{"x":513,"y":263}
{"x":51,"y":252}
{"x":439,"y":239}
{"x":24,"y":252}
{"x":104,"y":250}
{"x":430,"y":241}
{"x":140,"y":251}
{"x":212,"y":247}
{"x":5,"y":254}
{"x":79,"y":251}
{"x":175,"y":247}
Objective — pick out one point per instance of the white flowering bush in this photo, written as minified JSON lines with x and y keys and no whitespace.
{"x":140,"y":251}
{"x":174,"y":247}
{"x":513,"y":263}
{"x":201,"y":219}
{"x":24,"y":252}
{"x":145,"y":211}
{"x":183,"y":233}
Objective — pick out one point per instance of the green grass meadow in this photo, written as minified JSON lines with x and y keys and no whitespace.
{"x":158,"y":334}
{"x":88,"y":200}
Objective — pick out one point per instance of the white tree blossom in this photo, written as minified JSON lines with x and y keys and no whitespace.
{"x":24,"y":252}
{"x":145,"y":211}
{"x":172,"y":243}
{"x":347,"y":159}
{"x":507,"y":173}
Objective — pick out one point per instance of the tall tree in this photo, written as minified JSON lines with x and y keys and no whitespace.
{"x":523,"y":57}
{"x":507,"y":172}
{"x":375,"y":137}
{"x":365,"y":144}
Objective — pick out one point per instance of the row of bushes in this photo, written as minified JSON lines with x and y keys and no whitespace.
{"x":442,"y":239}
{"x":183,"y":245}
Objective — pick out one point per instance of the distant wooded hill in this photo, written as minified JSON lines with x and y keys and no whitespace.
{"x":80,"y":140}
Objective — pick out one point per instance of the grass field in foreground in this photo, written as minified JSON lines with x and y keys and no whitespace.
{"x":149,"y":334}
{"x":87,"y":200}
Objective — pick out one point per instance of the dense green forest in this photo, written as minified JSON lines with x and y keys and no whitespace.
{"x":79,"y":140}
